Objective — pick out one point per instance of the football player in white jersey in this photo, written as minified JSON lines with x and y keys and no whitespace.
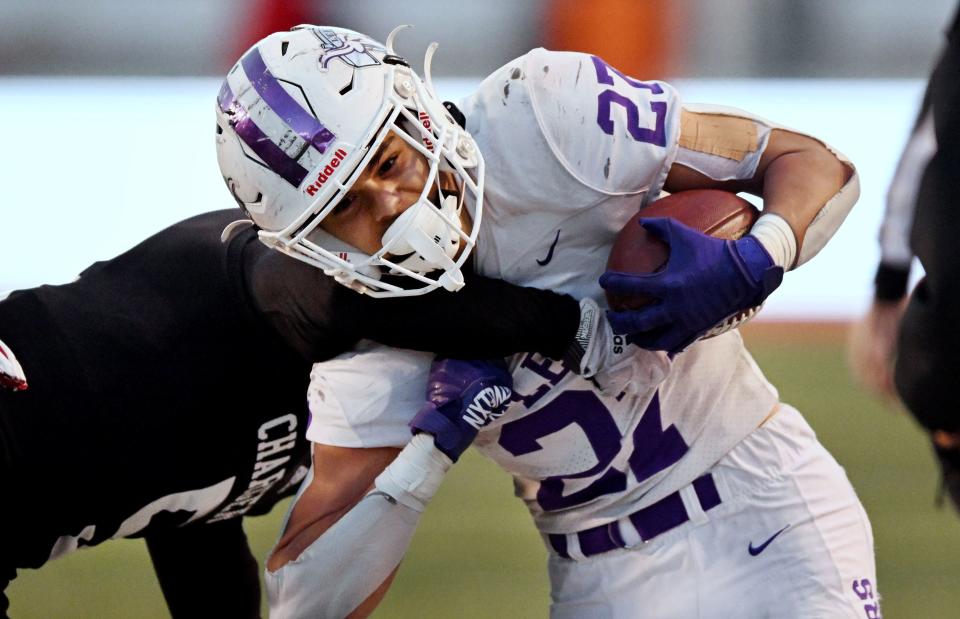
{"x":687,"y":490}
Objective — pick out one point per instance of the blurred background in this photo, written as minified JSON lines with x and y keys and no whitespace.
{"x":107,"y":117}
{"x":107,"y":106}
{"x":677,"y":38}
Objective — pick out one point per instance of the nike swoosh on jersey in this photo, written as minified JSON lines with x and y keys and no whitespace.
{"x":549,"y":257}
{"x":755,"y":550}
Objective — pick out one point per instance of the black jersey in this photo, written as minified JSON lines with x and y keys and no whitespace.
{"x":159,"y":395}
{"x":167,"y":385}
{"x":929,"y":343}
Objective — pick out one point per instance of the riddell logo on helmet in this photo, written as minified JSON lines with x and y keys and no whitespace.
{"x":425,"y":120}
{"x":326,"y":172}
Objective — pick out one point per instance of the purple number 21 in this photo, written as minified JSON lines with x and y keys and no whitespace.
{"x":606,"y":99}
{"x":654,"y":448}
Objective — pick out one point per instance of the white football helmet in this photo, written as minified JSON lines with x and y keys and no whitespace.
{"x":298,"y":119}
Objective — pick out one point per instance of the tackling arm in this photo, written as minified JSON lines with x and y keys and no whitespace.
{"x":527,"y":319}
{"x":319,"y":318}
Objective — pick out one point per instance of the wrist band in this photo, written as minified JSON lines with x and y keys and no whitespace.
{"x":776,"y":236}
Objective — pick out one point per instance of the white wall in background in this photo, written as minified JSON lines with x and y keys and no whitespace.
{"x":91,"y":166}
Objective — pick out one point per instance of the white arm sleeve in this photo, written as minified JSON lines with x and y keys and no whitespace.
{"x":902,"y":195}
{"x":347,"y":563}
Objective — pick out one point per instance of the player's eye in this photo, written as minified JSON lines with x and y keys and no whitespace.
{"x":343,"y":205}
{"x":387,"y":165}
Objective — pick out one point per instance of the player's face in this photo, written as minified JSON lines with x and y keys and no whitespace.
{"x":390,"y":184}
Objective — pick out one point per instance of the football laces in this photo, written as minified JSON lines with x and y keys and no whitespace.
{"x":732,"y":322}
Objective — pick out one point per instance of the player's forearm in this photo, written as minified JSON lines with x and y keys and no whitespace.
{"x":345,"y":476}
{"x":350,"y":563}
{"x":800,"y":180}
{"x":291,"y":545}
{"x":825,"y":186}
{"x":346,"y":566}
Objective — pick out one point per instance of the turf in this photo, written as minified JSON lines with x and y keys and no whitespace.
{"x":477,"y":555}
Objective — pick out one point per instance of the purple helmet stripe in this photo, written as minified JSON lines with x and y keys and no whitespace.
{"x":283,"y":105}
{"x":257,"y":140}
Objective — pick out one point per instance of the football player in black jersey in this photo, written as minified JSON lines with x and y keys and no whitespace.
{"x":910,"y":347}
{"x":164,"y":396}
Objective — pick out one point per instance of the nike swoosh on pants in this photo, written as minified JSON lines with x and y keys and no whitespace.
{"x":755,"y":550}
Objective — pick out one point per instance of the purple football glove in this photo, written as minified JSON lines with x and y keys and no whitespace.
{"x":705,"y":280}
{"x":462,"y":397}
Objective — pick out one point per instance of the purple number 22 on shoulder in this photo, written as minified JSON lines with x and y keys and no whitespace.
{"x":607,"y":98}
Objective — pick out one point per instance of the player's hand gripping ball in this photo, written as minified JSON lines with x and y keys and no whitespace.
{"x":684,"y":268}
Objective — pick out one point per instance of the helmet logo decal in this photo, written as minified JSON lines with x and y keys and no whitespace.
{"x":272,"y":155}
{"x":283,"y":105}
{"x":353,"y":53}
{"x":299,"y":120}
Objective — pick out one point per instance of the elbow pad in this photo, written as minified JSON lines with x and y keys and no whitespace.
{"x":827,"y":221}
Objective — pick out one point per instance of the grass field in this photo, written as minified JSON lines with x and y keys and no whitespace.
{"x":477,"y":555}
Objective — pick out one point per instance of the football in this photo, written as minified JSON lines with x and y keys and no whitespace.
{"x":712,"y":211}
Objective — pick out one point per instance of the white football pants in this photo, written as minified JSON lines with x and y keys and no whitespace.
{"x":790,"y":539}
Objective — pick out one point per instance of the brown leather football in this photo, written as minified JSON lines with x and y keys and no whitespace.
{"x":712,"y":211}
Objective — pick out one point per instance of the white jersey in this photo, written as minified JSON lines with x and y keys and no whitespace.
{"x":572,"y":149}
